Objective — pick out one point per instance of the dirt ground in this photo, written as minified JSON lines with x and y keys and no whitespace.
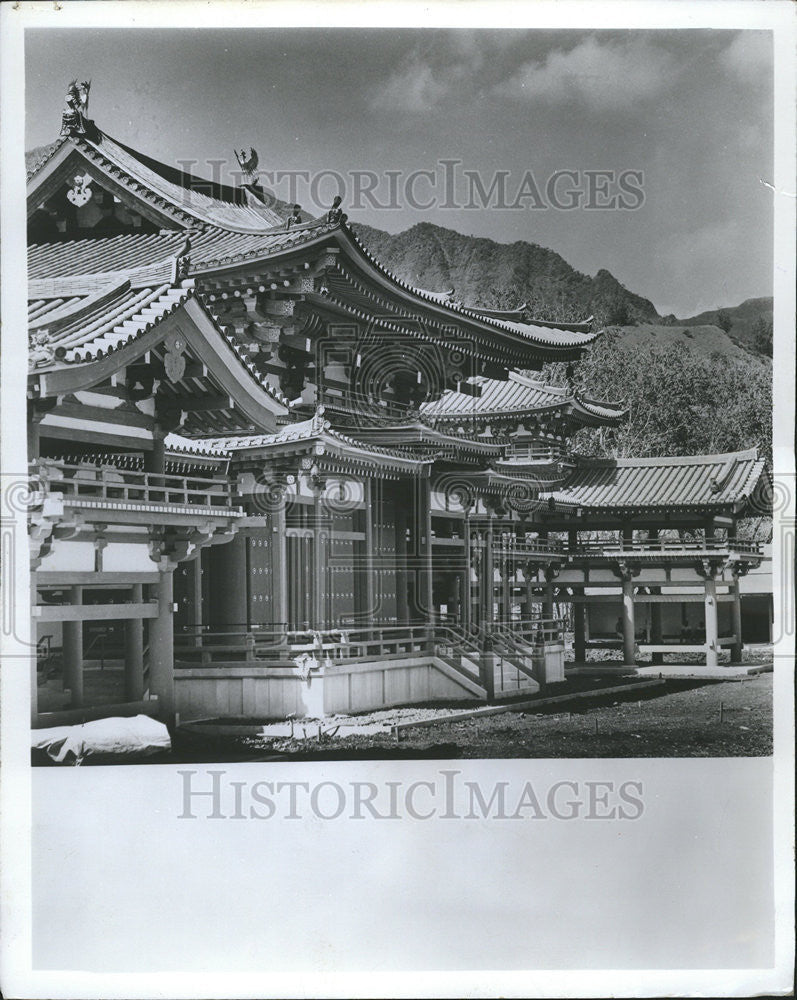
{"x":679,"y":718}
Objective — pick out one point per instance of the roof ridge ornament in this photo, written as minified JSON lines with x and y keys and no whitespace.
{"x":74,"y":118}
{"x":336,"y":215}
{"x":248,"y":163}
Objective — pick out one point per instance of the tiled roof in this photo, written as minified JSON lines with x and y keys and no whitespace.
{"x":543,"y":335}
{"x":176,"y":444}
{"x":108,"y":321}
{"x":146,"y":173}
{"x":557,"y":339}
{"x":517,"y":394}
{"x":237,"y":248}
{"x":208,"y":247}
{"x":700,"y":481}
{"x":110,"y":324}
{"x":306,"y":432}
{"x":36,"y":158}
{"x":110,"y":253}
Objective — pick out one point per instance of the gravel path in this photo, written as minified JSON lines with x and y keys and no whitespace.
{"x":678,"y":719}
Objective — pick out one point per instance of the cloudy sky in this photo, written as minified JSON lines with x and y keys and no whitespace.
{"x":691,"y":110}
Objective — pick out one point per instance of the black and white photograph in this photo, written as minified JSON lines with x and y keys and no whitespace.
{"x":398,"y":403}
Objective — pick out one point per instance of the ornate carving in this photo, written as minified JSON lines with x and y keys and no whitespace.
{"x":336,"y":214}
{"x":248,"y":163}
{"x":627,"y":570}
{"x":295,"y":218}
{"x":80,"y":192}
{"x":40,"y":351}
{"x":174,"y":358}
{"x":74,"y":117}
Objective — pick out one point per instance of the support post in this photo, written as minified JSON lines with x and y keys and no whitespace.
{"x":629,"y":637}
{"x":506,"y":591}
{"x":736,"y":606}
{"x":370,"y":589}
{"x":155,"y":460}
{"x":656,"y":631}
{"x":488,"y":583}
{"x":73,"y":652}
{"x":422,"y":549}
{"x":161,"y":645}
{"x":402,"y":577}
{"x":528,"y":572}
{"x":34,"y":660}
{"x":428,"y":569}
{"x":279,"y":563}
{"x":134,"y":651}
{"x":712,"y":628}
{"x":579,"y":631}
{"x":454,"y":597}
{"x":319,"y":559}
{"x":466,"y":613}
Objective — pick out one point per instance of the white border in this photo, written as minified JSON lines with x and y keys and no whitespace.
{"x":17,"y":977}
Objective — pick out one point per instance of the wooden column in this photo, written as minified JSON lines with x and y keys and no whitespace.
{"x":33,"y":437}
{"x":736,"y":608}
{"x":279,"y":563}
{"x":34,"y":660}
{"x":422,"y":549}
{"x":155,"y":460}
{"x":428,"y":570}
{"x":488,"y":582}
{"x":371,"y":496}
{"x":134,"y":650}
{"x":548,"y":599}
{"x":465,"y":593}
{"x":402,"y":575}
{"x":579,"y":629}
{"x":572,"y":539}
{"x":454,"y":597}
{"x":506,"y":590}
{"x":161,"y":645}
{"x":712,"y":627}
{"x":629,"y":636}
{"x":73,"y":652}
{"x":319,"y":558}
{"x":656,"y":633}
{"x":529,"y":574}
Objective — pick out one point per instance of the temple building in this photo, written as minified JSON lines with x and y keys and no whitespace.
{"x":271,"y":479}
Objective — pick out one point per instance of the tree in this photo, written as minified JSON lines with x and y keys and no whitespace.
{"x":724,"y":321}
{"x":680,"y":402}
{"x":762,"y":336}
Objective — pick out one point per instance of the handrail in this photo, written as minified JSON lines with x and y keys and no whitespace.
{"x":109,"y":482}
{"x":653,"y":545}
{"x":509,"y":545}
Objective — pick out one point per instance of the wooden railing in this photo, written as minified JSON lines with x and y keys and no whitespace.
{"x":107,"y":482}
{"x":532,"y":631}
{"x":280,"y":646}
{"x":653,"y":546}
{"x":277,"y":646}
{"x":509,"y":546}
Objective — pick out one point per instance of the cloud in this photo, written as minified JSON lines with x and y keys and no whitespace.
{"x":426,"y":77}
{"x":607,"y":75}
{"x":749,"y":56}
{"x":414,"y":87}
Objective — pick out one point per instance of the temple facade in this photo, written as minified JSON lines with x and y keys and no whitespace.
{"x":271,"y":479}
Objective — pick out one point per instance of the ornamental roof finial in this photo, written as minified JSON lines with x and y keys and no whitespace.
{"x":248,"y":163}
{"x":336,"y":214}
{"x":74,"y":117}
